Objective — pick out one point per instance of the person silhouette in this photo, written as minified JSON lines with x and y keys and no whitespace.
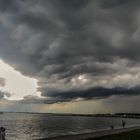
{"x":123,"y":123}
{"x":112,"y":127}
{"x":2,"y":133}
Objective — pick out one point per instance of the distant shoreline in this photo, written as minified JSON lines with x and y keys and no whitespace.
{"x":118,"y":115}
{"x":93,"y":135}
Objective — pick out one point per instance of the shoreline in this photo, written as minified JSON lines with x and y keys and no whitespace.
{"x":93,"y":135}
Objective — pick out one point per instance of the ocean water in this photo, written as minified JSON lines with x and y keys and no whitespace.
{"x":20,"y":126}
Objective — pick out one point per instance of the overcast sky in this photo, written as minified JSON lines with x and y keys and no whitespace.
{"x":80,"y":56}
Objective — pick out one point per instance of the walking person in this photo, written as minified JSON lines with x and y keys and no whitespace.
{"x":123,"y":123}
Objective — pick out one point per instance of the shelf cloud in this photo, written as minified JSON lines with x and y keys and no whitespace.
{"x":74,"y":48}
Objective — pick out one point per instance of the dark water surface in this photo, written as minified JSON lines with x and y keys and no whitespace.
{"x":20,"y":126}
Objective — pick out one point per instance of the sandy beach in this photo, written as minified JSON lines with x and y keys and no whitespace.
{"x":93,"y":134}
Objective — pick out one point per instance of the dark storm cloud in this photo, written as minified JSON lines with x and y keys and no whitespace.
{"x":59,"y":41}
{"x":112,"y":4}
{"x":7,"y":4}
{"x":94,"y":93}
{"x":88,"y":94}
{"x":36,"y":100}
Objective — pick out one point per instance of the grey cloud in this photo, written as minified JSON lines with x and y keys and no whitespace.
{"x":112,"y":4}
{"x":6,"y":5}
{"x":55,"y":96}
{"x":58,"y":40}
{"x":30,"y":99}
{"x":93,"y":93}
{"x":7,"y":94}
{"x":1,"y":95}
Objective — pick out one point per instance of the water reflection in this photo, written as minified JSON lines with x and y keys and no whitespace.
{"x":33,"y":126}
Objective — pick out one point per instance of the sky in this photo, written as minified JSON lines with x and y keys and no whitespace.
{"x":70,"y":56}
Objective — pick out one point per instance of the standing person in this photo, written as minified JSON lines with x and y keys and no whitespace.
{"x":123,"y":123}
{"x":112,"y":127}
{"x":3,"y":133}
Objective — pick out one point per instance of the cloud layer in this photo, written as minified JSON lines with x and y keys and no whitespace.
{"x":73,"y":47}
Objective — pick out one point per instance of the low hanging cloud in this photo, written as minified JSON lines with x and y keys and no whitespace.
{"x":1,"y":95}
{"x":4,"y":94}
{"x":93,"y":93}
{"x":73,"y":46}
{"x":7,"y":94}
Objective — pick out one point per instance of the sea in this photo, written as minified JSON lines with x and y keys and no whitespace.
{"x":25,"y":126}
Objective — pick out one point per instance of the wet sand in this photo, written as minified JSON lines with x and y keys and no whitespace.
{"x":93,"y":134}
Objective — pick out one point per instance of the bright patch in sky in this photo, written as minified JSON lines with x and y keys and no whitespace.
{"x":17,"y":84}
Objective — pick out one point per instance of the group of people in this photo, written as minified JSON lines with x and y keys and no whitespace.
{"x":2,"y":133}
{"x":123,"y":125}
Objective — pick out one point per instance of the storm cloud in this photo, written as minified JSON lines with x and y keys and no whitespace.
{"x":93,"y":93}
{"x":73,"y":46}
